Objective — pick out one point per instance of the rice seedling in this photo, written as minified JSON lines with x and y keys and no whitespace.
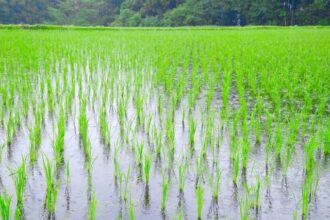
{"x":19,"y":179}
{"x":35,"y":137}
{"x":165,"y":183}
{"x":67,"y":171}
{"x":182,"y":171}
{"x":51,"y":184}
{"x":146,"y":167}
{"x":244,"y":208}
{"x":200,"y":200}
{"x":104,"y":128}
{"x":128,"y":173}
{"x":131,"y":210}
{"x":92,"y":207}
{"x":5,"y":201}
{"x":214,"y":181}
{"x":58,"y":145}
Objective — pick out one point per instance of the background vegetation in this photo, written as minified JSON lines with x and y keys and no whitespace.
{"x":166,"y":12}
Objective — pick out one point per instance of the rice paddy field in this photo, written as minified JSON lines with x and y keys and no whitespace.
{"x":165,"y":123}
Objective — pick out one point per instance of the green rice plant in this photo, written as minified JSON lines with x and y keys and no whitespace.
{"x":51,"y":184}
{"x":200,"y":166}
{"x":326,"y":140}
{"x":200,"y":201}
{"x":214,"y":181}
{"x":170,"y":134}
{"x":92,"y":207}
{"x":245,"y":153}
{"x":58,"y":145}
{"x":278,"y":141}
{"x":269,"y":124}
{"x":138,"y":101}
{"x":131,"y":210}
{"x":309,"y":154}
{"x":256,"y":192}
{"x":67,"y":171}
{"x":244,"y":208}
{"x":158,"y":137}
{"x":139,"y":149}
{"x":306,"y":190}
{"x":83,"y":125}
{"x":182,"y":170}
{"x":2,"y":147}
{"x":192,"y":131}
{"x":5,"y":201}
{"x":104,"y":128}
{"x":146,"y":167}
{"x":19,"y":178}
{"x":35,"y":137}
{"x":236,"y":166}
{"x":165,"y":183}
{"x":127,"y":175}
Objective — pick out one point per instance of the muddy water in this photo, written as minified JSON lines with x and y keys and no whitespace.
{"x":279,"y":200}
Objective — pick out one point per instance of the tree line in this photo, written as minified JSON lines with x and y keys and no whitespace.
{"x":166,"y":12}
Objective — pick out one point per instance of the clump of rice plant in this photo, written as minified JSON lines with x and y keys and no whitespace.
{"x":182,"y":170}
{"x":236,"y":166}
{"x":200,"y":201}
{"x":192,"y":130}
{"x":165,"y":183}
{"x":244,"y":208}
{"x":214,"y":181}
{"x":35,"y":137}
{"x":59,"y":140}
{"x":146,"y":167}
{"x":131,"y":210}
{"x":5,"y":201}
{"x":51,"y":184}
{"x":92,"y":207}
{"x":127,"y":175}
{"x":104,"y":127}
{"x":326,"y":136}
{"x":67,"y":171}
{"x":19,"y":177}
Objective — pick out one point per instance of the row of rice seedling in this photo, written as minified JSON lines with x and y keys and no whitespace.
{"x":173,"y":109}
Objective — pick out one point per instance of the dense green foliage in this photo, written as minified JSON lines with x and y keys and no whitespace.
{"x":166,"y":12}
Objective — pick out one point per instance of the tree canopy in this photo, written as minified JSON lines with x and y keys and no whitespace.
{"x":166,"y":12}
